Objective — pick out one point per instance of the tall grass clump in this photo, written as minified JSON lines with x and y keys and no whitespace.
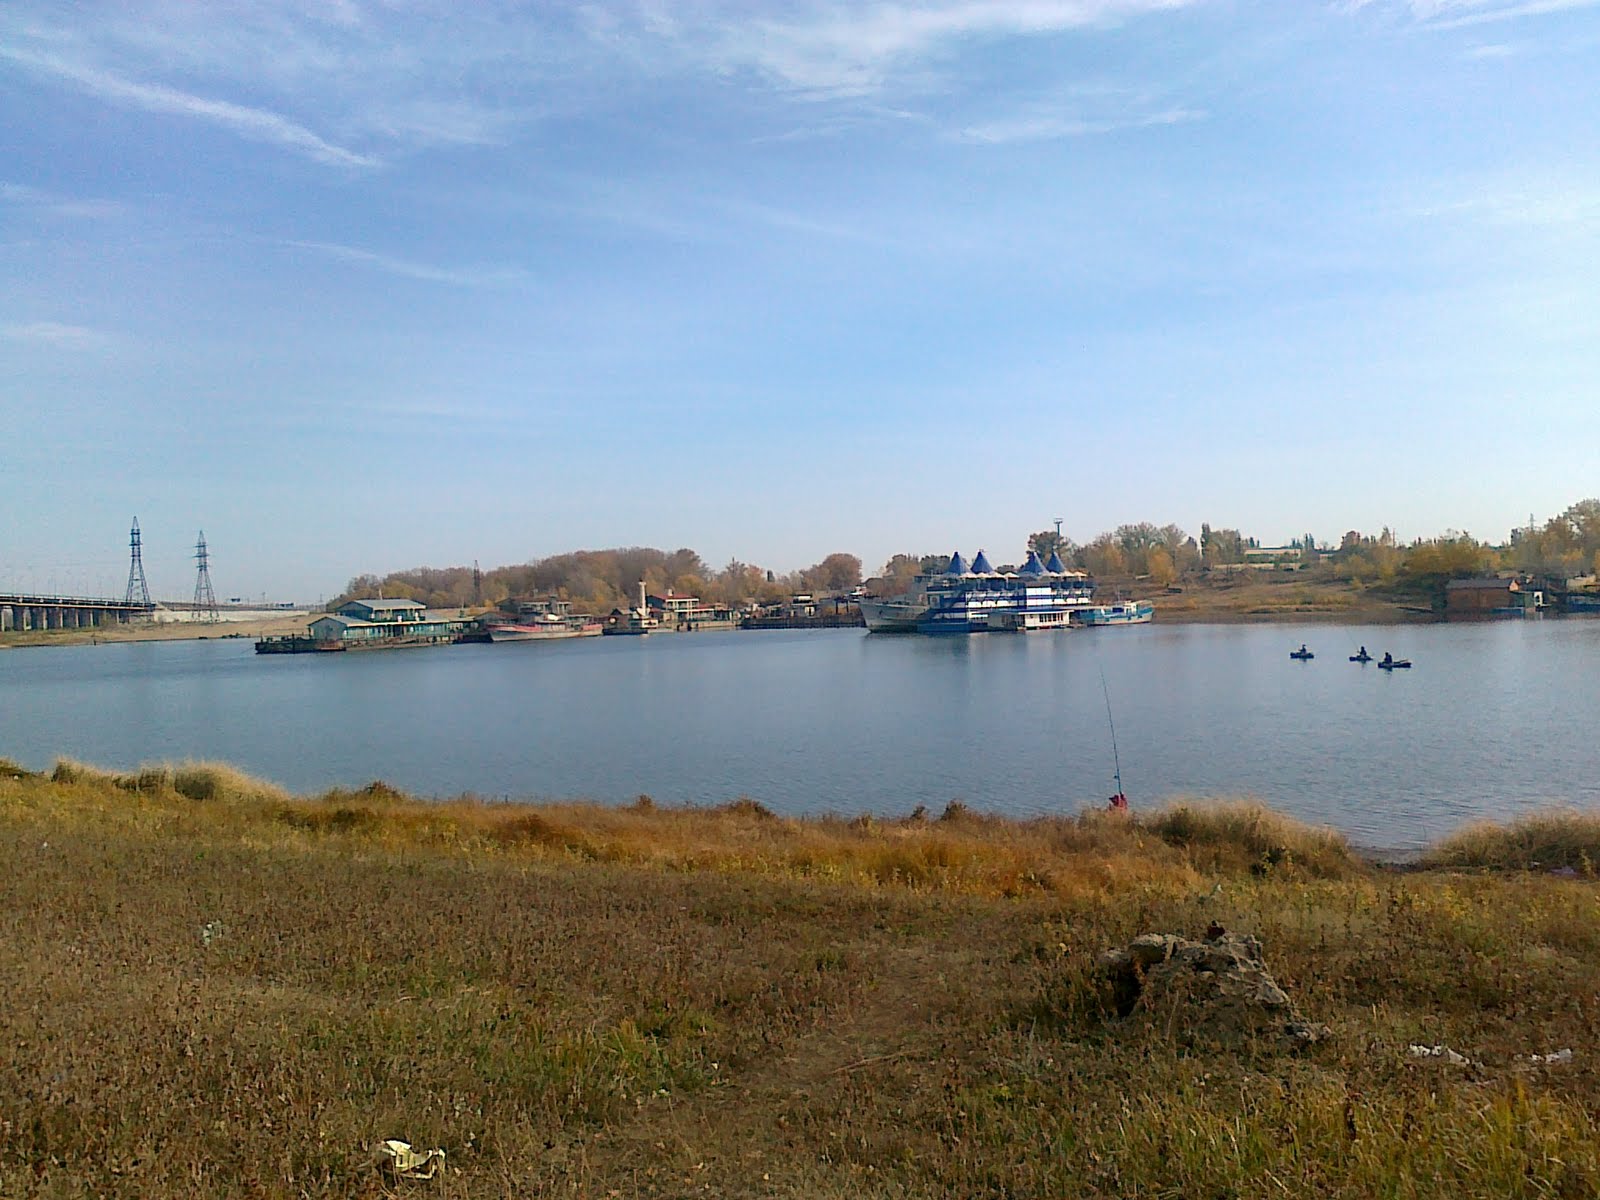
{"x":220,"y":782}
{"x":1552,"y":840}
{"x":12,"y":770}
{"x":1237,"y":835}
{"x":70,"y":770}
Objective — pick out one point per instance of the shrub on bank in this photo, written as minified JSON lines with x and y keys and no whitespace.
{"x":1561,"y":839}
{"x":1245,"y":835}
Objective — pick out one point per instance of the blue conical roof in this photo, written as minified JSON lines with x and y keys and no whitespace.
{"x":958,"y":565}
{"x":1033,"y":566}
{"x":980,"y":565}
{"x":1055,"y":565}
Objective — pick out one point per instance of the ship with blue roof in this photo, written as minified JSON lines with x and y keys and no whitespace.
{"x":975,"y":598}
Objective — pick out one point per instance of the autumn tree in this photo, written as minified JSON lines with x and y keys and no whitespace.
{"x":1103,"y":556}
{"x":837,"y":573}
{"x":1159,"y":565}
{"x":1047,"y":542}
{"x":1221,"y":546}
{"x":1428,"y":564}
{"x":897,"y":575}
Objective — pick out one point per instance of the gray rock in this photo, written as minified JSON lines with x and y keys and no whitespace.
{"x":1219,"y":987}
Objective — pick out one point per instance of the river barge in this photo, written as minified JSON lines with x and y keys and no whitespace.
{"x":1124,"y":612}
{"x":543,"y":620}
{"x":371,"y":624}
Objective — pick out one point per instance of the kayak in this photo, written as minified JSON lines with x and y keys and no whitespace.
{"x":1361,"y":658}
{"x":1403,"y":664}
{"x":1302,"y":655}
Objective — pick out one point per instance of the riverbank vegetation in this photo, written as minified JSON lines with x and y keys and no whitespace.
{"x":597,"y":581}
{"x":216,"y":988}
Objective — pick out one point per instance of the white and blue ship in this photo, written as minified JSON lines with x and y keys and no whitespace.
{"x":975,"y":598}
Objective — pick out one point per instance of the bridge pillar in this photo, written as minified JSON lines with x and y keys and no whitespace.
{"x":6,"y":618}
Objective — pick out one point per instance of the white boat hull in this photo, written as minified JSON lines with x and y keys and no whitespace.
{"x":892,"y":616}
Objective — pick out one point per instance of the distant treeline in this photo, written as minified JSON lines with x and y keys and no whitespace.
{"x":596,"y":581}
{"x":1565,"y":546}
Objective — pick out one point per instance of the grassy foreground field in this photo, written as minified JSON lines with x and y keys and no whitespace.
{"x":214,"y":989}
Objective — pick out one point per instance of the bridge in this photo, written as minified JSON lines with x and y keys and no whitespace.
{"x":19,"y":612}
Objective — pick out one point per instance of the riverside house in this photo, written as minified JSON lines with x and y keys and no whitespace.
{"x":1488,"y":597}
{"x":379,"y":622}
{"x":686,"y":613}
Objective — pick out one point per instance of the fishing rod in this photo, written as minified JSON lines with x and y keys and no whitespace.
{"x":1116,"y":759}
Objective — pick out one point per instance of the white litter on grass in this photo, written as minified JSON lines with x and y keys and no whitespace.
{"x":1442,"y":1053}
{"x":210,"y":932}
{"x":409,"y":1163}
{"x":1556,"y":1058}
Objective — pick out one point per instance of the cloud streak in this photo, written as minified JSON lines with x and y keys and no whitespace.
{"x":832,"y":49}
{"x":256,"y":124}
{"x":1042,"y":127}
{"x":1457,"y":14}
{"x":36,"y":199}
{"x":55,"y":333}
{"x":1562,"y":205}
{"x":407,"y":269}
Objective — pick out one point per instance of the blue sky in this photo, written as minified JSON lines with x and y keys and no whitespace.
{"x":361,"y":286}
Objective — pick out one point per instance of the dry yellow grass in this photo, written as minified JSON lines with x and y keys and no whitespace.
{"x":1551,"y":840}
{"x":234,"y":992}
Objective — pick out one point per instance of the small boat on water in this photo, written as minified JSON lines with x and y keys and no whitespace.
{"x":1302,"y":654}
{"x":1362,"y":656}
{"x":1390,"y":663}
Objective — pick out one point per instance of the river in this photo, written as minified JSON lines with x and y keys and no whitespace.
{"x":1495,"y":718}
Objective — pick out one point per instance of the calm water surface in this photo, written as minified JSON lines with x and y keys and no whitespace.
{"x":1494,"y":719}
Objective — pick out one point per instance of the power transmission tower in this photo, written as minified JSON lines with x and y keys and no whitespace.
{"x":138,"y":589}
{"x":477,"y":584}
{"x":205,"y":600}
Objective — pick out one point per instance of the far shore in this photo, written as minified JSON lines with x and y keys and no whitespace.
{"x":1245,"y":603}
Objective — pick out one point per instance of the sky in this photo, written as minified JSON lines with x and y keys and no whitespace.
{"x":355,"y":286}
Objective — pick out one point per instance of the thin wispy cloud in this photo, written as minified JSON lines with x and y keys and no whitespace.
{"x":1047,"y":126}
{"x":793,"y":222}
{"x":256,"y":124}
{"x":831,"y":49}
{"x":38,"y":200}
{"x":1454,"y":14}
{"x":1566,"y":205}
{"x":56,"y":334}
{"x":407,"y":269}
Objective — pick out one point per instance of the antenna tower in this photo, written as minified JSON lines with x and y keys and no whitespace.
{"x":205,"y":600}
{"x":138,"y":589}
